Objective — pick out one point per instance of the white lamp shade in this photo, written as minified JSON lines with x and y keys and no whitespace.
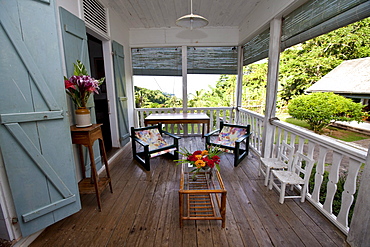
{"x":192,"y":21}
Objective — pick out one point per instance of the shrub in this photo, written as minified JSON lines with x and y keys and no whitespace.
{"x":319,"y":109}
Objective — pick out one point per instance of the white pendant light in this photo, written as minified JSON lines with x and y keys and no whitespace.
{"x":192,"y":21}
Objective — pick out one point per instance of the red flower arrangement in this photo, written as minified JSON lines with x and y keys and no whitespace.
{"x":80,"y":86}
{"x":201,"y":160}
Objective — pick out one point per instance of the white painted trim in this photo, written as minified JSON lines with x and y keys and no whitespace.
{"x":185,"y":77}
{"x":7,"y":204}
{"x":111,"y":92}
{"x":239,"y":82}
{"x":227,"y":36}
{"x":26,"y":241}
{"x":272,"y":86}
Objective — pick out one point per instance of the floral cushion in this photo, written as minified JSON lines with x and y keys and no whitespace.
{"x":229,"y":135}
{"x":154,"y":139}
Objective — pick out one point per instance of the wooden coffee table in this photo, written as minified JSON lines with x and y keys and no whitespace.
{"x":179,"y":118}
{"x":202,"y":199}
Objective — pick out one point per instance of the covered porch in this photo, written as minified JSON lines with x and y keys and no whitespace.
{"x":144,"y":211}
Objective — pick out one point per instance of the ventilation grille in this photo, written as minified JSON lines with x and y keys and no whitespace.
{"x":95,"y":14}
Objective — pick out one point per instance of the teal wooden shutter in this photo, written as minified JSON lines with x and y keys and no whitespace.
{"x":120,"y":82}
{"x":34,"y":132}
{"x":75,"y":48}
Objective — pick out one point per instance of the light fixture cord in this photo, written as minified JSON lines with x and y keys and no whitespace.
{"x":191,"y":12}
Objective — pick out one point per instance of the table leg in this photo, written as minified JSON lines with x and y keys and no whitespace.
{"x":180,"y":207}
{"x":105,"y":160}
{"x":94,"y":175}
{"x":223,"y":209}
{"x":82,"y":162}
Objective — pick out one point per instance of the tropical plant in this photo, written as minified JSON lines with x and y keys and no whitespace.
{"x":80,"y":86}
{"x":320,"y":109}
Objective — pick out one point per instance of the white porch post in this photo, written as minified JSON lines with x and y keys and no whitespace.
{"x":185,"y":83}
{"x":239,"y":82}
{"x":272,"y":86}
{"x":359,"y":229}
{"x":184,"y":78}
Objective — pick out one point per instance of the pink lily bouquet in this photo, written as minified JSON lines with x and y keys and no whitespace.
{"x":80,"y":86}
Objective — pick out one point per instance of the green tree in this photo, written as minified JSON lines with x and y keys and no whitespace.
{"x":306,"y":63}
{"x":319,"y":109}
{"x":147,"y":98}
{"x":254,"y":84}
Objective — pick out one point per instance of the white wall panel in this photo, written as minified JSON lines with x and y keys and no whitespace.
{"x":178,"y":36}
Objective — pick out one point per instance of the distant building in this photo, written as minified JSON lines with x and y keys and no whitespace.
{"x":350,"y":79}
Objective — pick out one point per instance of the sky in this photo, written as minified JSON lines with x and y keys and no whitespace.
{"x":173,"y":85}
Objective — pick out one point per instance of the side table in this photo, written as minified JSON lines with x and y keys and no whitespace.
{"x":87,"y":136}
{"x":202,"y":198}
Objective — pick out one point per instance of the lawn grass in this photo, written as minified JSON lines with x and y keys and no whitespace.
{"x":297,"y":122}
{"x":337,"y":133}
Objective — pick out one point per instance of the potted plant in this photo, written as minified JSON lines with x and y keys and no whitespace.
{"x":80,"y":87}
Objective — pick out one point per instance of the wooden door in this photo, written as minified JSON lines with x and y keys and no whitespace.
{"x":35,"y":139}
{"x":120,"y":82}
{"x":75,"y":48}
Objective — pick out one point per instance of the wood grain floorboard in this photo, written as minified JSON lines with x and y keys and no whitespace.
{"x":144,"y":211}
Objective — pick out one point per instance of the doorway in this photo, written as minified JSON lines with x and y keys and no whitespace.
{"x":95,"y":47}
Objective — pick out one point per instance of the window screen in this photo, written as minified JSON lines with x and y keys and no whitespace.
{"x":257,"y":48}
{"x":212,"y":60}
{"x":157,"y":61}
{"x":317,"y":17}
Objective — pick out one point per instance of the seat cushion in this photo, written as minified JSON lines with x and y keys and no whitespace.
{"x":153,"y":138}
{"x":229,"y":135}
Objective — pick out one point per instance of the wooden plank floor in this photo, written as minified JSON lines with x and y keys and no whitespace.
{"x":144,"y":211}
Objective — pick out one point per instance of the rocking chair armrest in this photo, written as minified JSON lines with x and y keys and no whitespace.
{"x":170,"y":134}
{"x":212,"y":132}
{"x":242,"y":138}
{"x":140,"y":142}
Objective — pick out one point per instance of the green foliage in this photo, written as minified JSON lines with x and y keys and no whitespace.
{"x":146,"y":98}
{"x":319,"y":109}
{"x":79,"y":68}
{"x":254,"y":84}
{"x":306,"y":63}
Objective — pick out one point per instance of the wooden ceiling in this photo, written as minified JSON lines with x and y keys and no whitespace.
{"x":163,"y":13}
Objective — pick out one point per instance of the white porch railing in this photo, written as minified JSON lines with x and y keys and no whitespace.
{"x":339,"y":160}
{"x":215,"y":113}
{"x":256,"y":122}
